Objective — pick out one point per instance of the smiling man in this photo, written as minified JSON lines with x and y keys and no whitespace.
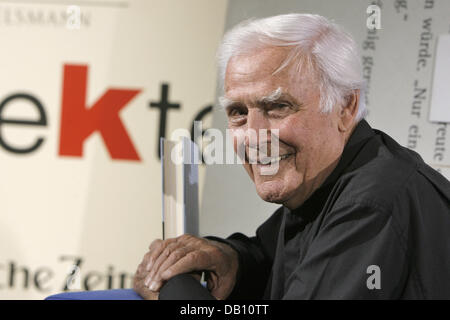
{"x":294,"y":110}
{"x":361,"y":217}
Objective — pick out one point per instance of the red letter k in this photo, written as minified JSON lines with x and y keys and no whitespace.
{"x":79,"y":121}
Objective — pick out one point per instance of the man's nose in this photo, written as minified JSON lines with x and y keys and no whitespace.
{"x":256,"y":120}
{"x":257,"y":124}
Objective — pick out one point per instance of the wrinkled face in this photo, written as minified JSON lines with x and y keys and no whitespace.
{"x":310,"y":142}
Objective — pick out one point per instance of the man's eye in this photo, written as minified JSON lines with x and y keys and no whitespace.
{"x":280,"y":106}
{"x":236,"y":112}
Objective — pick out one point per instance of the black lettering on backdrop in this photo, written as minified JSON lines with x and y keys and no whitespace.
{"x":439,"y":145}
{"x":429,"y":4}
{"x":76,"y":264}
{"x":163,"y":105}
{"x":41,"y":277}
{"x":111,"y":275}
{"x":13,"y":272}
{"x":426,"y":37}
{"x":368,"y":61}
{"x":24,"y":278}
{"x":19,"y":276}
{"x":92,"y":280}
{"x":42,"y":121}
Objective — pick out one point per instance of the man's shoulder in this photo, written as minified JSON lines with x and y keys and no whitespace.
{"x":384,"y":179}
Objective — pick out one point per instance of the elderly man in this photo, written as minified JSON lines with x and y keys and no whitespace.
{"x":362,"y":217}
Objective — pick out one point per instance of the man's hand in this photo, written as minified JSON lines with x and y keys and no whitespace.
{"x":139,"y":284}
{"x":187,"y":254}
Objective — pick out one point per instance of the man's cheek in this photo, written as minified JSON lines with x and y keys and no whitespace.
{"x":238,"y":139}
{"x":249,"y":170}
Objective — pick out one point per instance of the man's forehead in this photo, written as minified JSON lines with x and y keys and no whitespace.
{"x":257,"y":77}
{"x":259,"y":83}
{"x":258,"y":63}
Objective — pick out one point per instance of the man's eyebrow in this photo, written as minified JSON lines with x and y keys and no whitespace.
{"x":276,"y":96}
{"x":225,"y":102}
{"x":272,"y":97}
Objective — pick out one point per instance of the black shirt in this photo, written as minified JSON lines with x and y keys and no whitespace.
{"x":377,"y":228}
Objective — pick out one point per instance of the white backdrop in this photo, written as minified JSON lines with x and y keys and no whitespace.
{"x":99,"y":209}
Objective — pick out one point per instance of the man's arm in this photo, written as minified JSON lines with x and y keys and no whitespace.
{"x":187,"y":254}
{"x":253,"y":267}
{"x":359,"y":253}
{"x":220,"y":257}
{"x":256,"y":255}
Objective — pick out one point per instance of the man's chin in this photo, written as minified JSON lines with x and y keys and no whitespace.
{"x":272,"y":191}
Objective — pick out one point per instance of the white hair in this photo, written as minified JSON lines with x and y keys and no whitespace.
{"x":316,"y":43}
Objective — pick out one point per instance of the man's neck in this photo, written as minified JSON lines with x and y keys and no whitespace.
{"x":307,"y":188}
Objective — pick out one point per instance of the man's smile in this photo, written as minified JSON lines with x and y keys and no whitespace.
{"x":271,"y":160}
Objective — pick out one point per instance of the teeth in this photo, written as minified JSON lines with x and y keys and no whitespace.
{"x":274,"y":159}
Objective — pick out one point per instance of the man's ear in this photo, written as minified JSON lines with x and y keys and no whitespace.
{"x":348,"y":111}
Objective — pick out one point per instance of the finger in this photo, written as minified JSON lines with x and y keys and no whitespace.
{"x":140,"y":271}
{"x":140,"y":268}
{"x":156,"y":248}
{"x":193,"y":261}
{"x":144,"y":292}
{"x":154,"y":243}
{"x":169,"y":248}
{"x":146,"y":260}
{"x":174,"y":256}
{"x":153,"y":250}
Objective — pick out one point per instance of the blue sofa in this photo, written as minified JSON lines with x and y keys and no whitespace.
{"x":180,"y":287}
{"x":116,"y":294}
